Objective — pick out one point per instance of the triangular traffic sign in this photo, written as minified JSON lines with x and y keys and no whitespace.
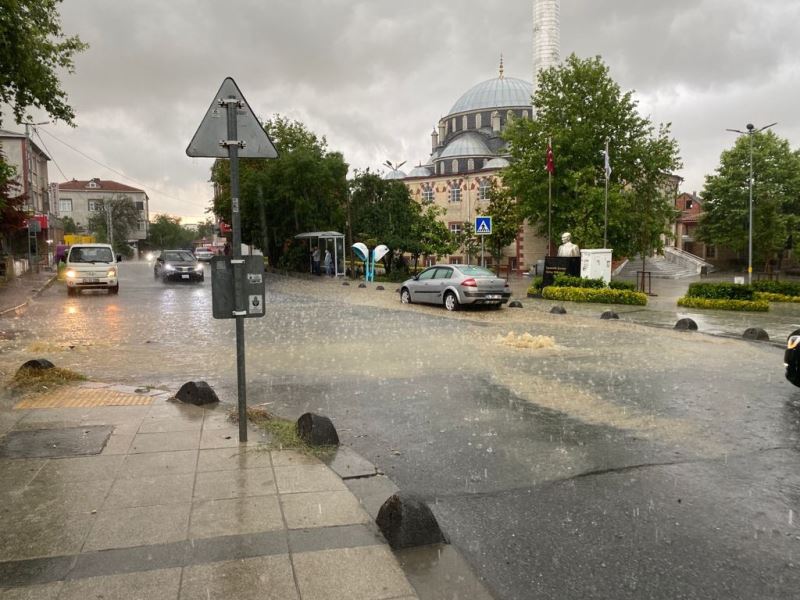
{"x":483,"y":227}
{"x":214,"y":129}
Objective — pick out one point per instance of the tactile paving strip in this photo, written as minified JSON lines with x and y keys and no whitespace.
{"x":83,"y":398}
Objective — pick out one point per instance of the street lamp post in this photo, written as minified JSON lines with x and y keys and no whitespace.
{"x":751,"y":129}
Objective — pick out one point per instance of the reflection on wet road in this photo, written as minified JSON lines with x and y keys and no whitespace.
{"x":623,"y":462}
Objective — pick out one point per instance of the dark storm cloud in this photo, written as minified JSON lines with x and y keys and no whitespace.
{"x":374,"y":76}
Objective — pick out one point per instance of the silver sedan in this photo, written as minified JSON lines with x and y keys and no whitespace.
{"x":454,"y":285}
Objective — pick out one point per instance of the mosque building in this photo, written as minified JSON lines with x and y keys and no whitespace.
{"x":468,"y":151}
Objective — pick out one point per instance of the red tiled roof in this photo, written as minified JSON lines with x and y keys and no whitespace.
{"x":105,"y":185}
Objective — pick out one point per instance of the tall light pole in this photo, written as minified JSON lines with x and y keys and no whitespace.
{"x":751,"y":129}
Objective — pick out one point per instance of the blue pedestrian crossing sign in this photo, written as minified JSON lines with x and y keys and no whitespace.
{"x":483,"y":225}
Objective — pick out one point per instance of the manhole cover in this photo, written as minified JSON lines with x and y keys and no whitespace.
{"x":55,"y":443}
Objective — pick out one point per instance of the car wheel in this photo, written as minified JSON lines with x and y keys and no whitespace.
{"x":114,"y":290}
{"x":450,"y":301}
{"x":405,"y":296}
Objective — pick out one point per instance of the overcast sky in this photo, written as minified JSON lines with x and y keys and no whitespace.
{"x":374,"y":76}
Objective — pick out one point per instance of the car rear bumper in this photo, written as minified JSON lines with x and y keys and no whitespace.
{"x":485,"y":297}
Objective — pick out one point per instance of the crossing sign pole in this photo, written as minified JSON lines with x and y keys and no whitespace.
{"x":231,"y":130}
{"x":483,"y":227}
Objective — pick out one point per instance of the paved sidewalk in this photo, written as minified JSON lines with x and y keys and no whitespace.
{"x":130,"y":495}
{"x":17,"y":292}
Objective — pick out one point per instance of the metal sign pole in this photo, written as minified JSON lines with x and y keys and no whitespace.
{"x":483,"y":252}
{"x":232,"y":104}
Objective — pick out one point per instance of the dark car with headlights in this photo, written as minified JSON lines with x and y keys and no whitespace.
{"x":456,"y":285}
{"x":791,"y":359}
{"x":177,"y":265}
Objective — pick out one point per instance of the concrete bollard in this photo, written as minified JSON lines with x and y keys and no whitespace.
{"x":609,"y":314}
{"x":362,"y":285}
{"x":197,"y":393}
{"x":317,"y":430}
{"x":345,"y":283}
{"x":515,"y":304}
{"x":558,"y":310}
{"x":406,"y":521}
{"x":379,"y":288}
{"x":755,"y":333}
{"x":685,"y":324}
{"x":36,"y":364}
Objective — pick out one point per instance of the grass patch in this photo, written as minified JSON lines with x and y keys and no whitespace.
{"x":283,"y":433}
{"x":41,"y":380}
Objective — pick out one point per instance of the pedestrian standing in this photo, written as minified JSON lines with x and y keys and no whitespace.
{"x":328,"y":264}
{"x":315,"y":261}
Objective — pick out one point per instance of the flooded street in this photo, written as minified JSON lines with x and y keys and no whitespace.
{"x":617,"y":460}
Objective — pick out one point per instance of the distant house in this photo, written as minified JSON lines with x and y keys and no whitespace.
{"x":79,"y":200}
{"x":690,"y":207}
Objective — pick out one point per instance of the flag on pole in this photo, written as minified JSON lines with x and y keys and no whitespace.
{"x":550,"y":166}
{"x":608,"y":163}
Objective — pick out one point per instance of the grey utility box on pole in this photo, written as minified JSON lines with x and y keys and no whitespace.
{"x":251,"y":287}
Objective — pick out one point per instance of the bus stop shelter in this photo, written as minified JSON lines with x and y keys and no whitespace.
{"x":333,"y":241}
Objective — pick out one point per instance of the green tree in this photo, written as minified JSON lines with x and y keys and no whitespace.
{"x":33,"y":52}
{"x":579,"y":106}
{"x":506,"y":221}
{"x":468,"y":241}
{"x":70,"y":227}
{"x":12,"y":219}
{"x":776,"y":197}
{"x":304,"y":189}
{"x":430,"y":236}
{"x":124,"y":217}
{"x":166,"y":232}
{"x":383,"y":210}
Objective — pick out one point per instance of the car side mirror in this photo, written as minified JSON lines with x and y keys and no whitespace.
{"x":416,"y":277}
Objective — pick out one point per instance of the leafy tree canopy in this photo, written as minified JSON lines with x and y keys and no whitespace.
{"x":776,"y":197}
{"x":166,"y":232}
{"x":304,"y":189}
{"x":579,"y":106}
{"x":124,"y":217}
{"x":33,"y":50}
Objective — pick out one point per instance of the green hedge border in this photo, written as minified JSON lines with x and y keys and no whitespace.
{"x":724,"y":304}
{"x":770,"y":297}
{"x":599,"y":296}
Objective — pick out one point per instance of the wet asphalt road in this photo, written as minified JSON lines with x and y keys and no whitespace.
{"x":625,"y":462}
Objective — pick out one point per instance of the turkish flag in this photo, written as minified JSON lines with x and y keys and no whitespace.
{"x":551,"y":167}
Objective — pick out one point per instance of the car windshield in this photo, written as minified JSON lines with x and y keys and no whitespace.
{"x":91,"y":254}
{"x":178,"y":256}
{"x":473,"y":271}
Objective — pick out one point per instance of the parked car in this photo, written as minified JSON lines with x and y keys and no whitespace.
{"x":454,"y":285}
{"x":791,"y":358}
{"x":91,"y":266}
{"x":177,"y":265}
{"x":203,"y":254}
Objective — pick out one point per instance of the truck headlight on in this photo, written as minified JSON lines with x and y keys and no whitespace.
{"x":111,"y":273}
{"x":71,"y":274}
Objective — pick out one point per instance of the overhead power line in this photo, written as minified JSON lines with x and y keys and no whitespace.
{"x":50,"y":154}
{"x":113,"y":170}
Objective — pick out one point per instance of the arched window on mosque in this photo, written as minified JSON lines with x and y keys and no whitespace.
{"x":427,"y":195}
{"x":464,"y":122}
{"x":455,"y":165}
{"x":470,"y":165}
{"x":478,"y":121}
{"x":524,"y":114}
{"x":484,"y":187}
{"x":454,"y":124}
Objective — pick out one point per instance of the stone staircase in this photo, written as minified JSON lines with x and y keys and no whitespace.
{"x":660,"y":268}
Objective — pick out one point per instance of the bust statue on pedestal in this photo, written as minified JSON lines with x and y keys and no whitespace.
{"x":567,"y":248}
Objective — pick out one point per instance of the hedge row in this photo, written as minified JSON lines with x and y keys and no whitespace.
{"x":720,"y":291}
{"x":770,"y":297}
{"x":783,"y":288}
{"x":724,"y":304}
{"x":578,"y":282}
{"x":601,"y":296}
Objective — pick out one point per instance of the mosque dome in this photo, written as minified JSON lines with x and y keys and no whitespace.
{"x":501,"y":92}
{"x":420,"y":171}
{"x":466,"y":144}
{"x":496,"y":163}
{"x":395,"y":174}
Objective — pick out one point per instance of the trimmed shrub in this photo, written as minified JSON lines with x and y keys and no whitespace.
{"x":535,"y":288}
{"x":578,"y":282}
{"x":616,"y":284}
{"x":724,"y":304}
{"x":783,"y":288}
{"x":720,"y":291}
{"x":600,"y":296}
{"x":770,"y":297}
